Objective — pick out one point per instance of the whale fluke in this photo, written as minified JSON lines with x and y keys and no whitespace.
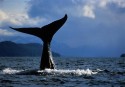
{"x":46,"y":33}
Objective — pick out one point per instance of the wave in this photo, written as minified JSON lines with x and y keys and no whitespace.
{"x":78,"y":72}
{"x":10,"y":71}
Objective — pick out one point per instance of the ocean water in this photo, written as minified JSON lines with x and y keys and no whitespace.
{"x":69,"y":72}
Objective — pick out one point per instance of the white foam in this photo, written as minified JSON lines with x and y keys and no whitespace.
{"x":99,"y":70}
{"x":72,"y":72}
{"x":10,"y":71}
{"x":55,"y":71}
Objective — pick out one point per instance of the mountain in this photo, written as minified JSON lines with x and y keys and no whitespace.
{"x":122,"y":55}
{"x":9,"y":49}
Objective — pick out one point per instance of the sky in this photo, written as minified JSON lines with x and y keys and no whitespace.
{"x":93,"y":27}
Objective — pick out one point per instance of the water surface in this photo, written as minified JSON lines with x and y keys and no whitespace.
{"x":69,"y":72}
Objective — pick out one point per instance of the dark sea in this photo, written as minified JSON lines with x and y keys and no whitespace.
{"x":69,"y":72}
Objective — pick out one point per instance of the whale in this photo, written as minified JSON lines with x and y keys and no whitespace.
{"x":46,"y":34}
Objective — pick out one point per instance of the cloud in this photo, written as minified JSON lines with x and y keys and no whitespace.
{"x":3,"y":15}
{"x":103,"y":3}
{"x":42,"y":8}
{"x":120,"y":3}
{"x":76,"y":8}
{"x":4,"y":32}
{"x":18,"y":19}
{"x":88,"y":11}
{"x":117,"y":6}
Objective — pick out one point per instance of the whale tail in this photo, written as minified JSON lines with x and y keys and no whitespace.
{"x":46,"y":32}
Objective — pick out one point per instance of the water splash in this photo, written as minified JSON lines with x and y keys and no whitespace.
{"x":77,"y":72}
{"x":10,"y":71}
{"x":68,"y":72}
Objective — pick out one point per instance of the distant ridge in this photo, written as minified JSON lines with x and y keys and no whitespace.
{"x":122,"y":55}
{"x":12,"y":49}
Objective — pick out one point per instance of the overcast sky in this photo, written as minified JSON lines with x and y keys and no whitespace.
{"x":96,"y":24}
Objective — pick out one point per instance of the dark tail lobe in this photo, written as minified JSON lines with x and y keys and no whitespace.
{"x":46,"y":32}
